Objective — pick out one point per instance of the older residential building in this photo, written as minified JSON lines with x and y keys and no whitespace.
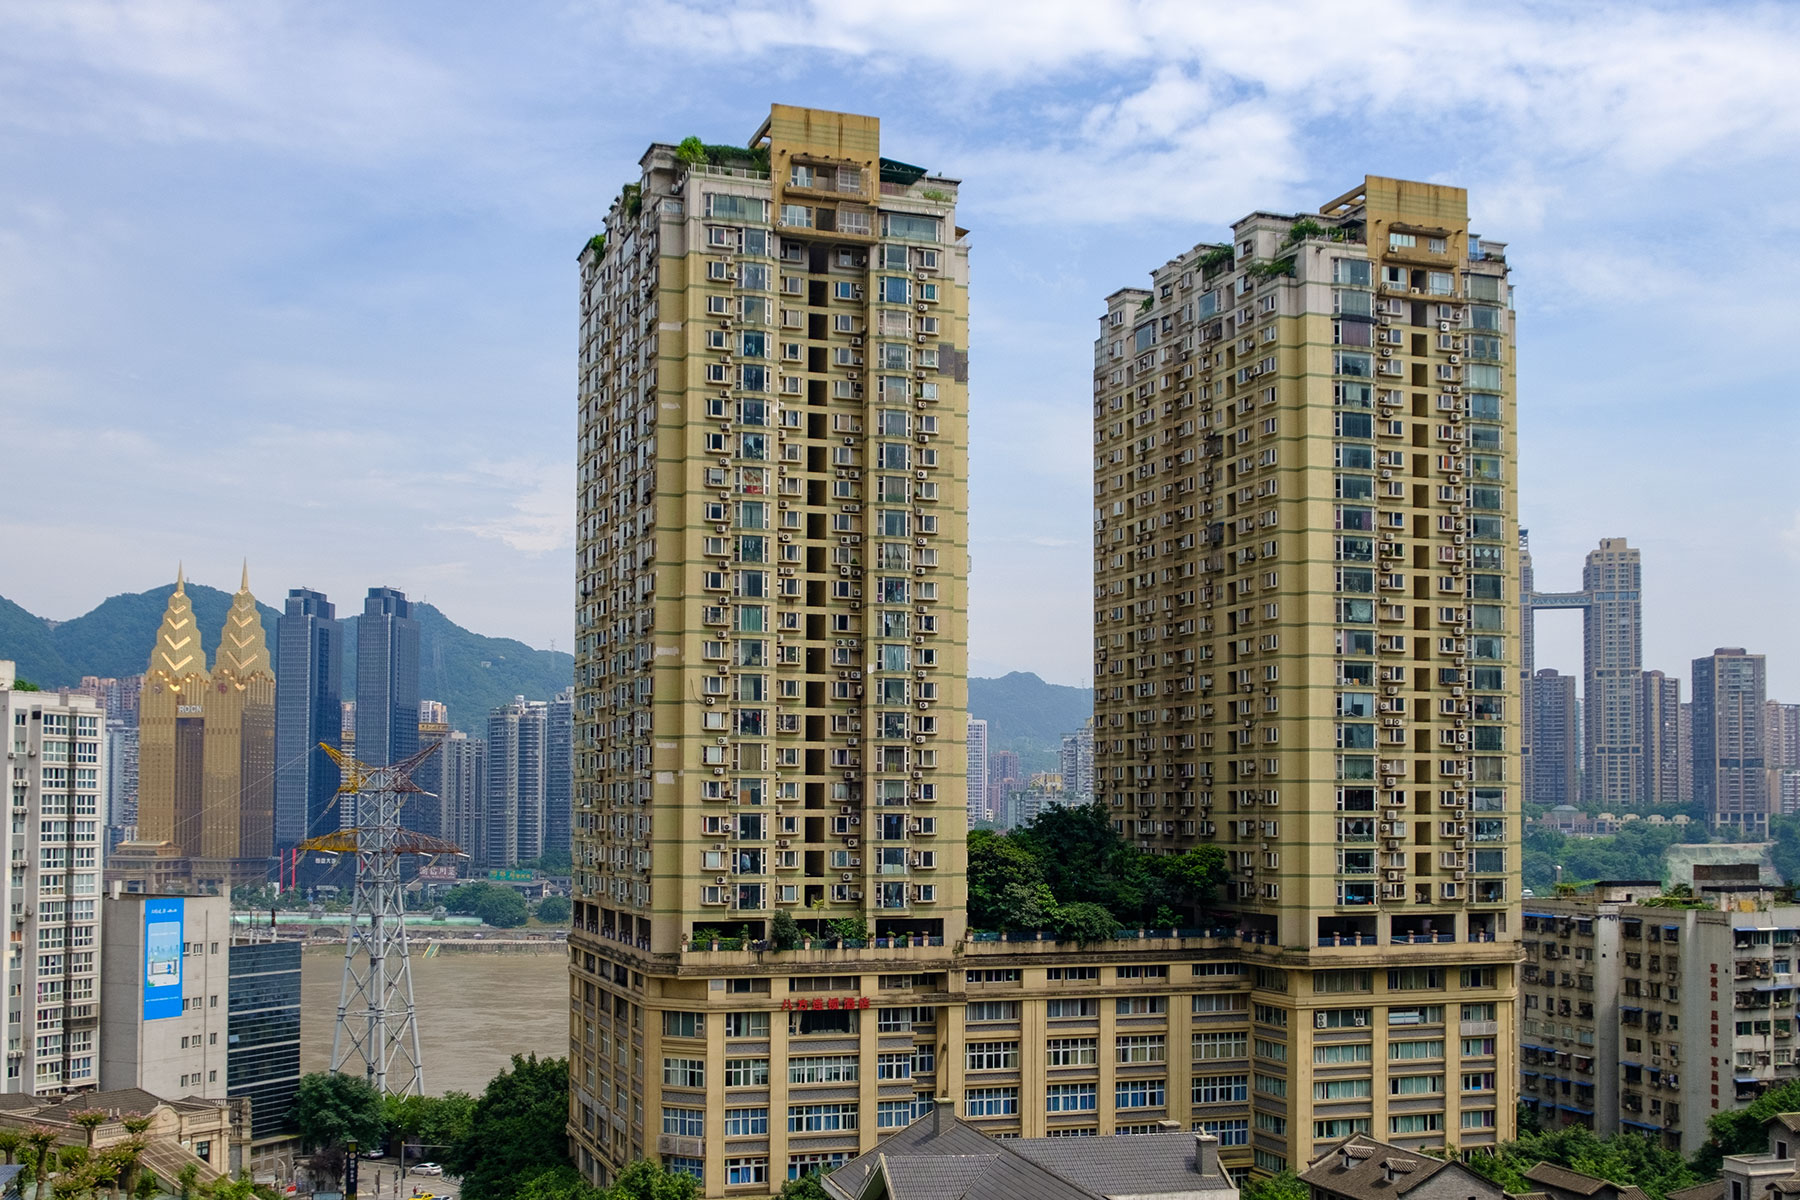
{"x":1329,"y":388}
{"x":1731,"y":783}
{"x":1361,"y":1168}
{"x":165,"y":984}
{"x":1619,"y":1010}
{"x":55,"y":749}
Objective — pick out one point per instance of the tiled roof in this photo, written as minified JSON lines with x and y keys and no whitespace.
{"x":1147,"y":1164}
{"x":1377,"y":1171}
{"x":1713,"y":1190}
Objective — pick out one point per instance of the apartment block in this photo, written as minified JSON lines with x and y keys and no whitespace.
{"x":1637,"y":1016}
{"x":770,"y":697}
{"x":165,"y":986}
{"x":1612,"y":634}
{"x":54,"y":754}
{"x":1659,"y":709}
{"x":976,"y":769}
{"x":1307,"y":625}
{"x":510,"y":829}
{"x":1731,"y":782}
{"x":1555,"y":740}
{"x":1077,"y":762}
{"x":1781,"y":729}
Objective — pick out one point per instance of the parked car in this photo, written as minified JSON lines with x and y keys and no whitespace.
{"x":428,"y":1169}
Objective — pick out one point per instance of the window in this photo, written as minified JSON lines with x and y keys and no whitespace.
{"x":684,"y":1122}
{"x":684,"y":1024}
{"x":1221,"y":1089}
{"x":1343,"y":1054}
{"x":1071,"y":1052}
{"x":684,"y":1072}
{"x":746,"y":1072}
{"x":1340,"y":1127}
{"x":894,"y":1066}
{"x":994,"y":1010}
{"x":1408,"y":979}
{"x":1141,"y":1048}
{"x":747,"y":1025}
{"x":1401,"y":241}
{"x":746,"y":1170}
{"x":821,"y":1118}
{"x":1071,"y":1097}
{"x":991,"y":1102}
{"x":1066,"y":1009}
{"x":893,"y":1114}
{"x":993,"y":1056}
{"x":1416,"y":1123}
{"x":1230,"y":1132}
{"x":1140,"y":1093}
{"x":1415,"y":1085}
{"x":1404,"y":1051}
{"x":1343,"y":1089}
{"x":1209,"y":1046}
{"x":746,"y":1122}
{"x":827,"y":1068}
{"x":1138,"y":1006}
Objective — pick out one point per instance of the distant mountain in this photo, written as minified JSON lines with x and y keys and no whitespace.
{"x":1028,"y":716}
{"x":467,"y":671}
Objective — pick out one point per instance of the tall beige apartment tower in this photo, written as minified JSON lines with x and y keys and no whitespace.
{"x":770,"y":696}
{"x":1306,"y":639}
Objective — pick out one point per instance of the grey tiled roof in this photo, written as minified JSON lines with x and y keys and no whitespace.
{"x":1147,"y":1164}
{"x":940,"y":1158}
{"x":1371,"y":1165}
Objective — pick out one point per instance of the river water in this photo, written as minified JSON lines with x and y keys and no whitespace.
{"x":475,"y":1011}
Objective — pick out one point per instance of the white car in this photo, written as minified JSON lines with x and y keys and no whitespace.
{"x":428,"y":1169}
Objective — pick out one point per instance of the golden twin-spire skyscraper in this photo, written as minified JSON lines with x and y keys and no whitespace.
{"x":206,"y":745}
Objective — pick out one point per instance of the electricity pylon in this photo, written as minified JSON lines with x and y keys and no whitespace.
{"x":376,"y":1023}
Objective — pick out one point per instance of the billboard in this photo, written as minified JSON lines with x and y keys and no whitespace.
{"x":512,"y":875}
{"x":438,"y":871}
{"x":162,"y":958}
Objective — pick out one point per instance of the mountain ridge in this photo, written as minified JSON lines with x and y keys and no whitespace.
{"x":469,"y":672}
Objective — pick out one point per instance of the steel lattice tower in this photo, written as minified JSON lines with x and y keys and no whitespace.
{"x":376,"y":1021}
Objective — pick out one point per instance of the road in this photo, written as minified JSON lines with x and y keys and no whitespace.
{"x":379,"y":1179}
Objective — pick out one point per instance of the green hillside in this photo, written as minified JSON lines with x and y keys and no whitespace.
{"x":465,"y":670}
{"x":1028,"y":716}
{"x":28,"y":641}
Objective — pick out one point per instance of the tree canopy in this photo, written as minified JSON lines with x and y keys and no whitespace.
{"x":500,"y":907}
{"x":333,"y":1110}
{"x":516,"y":1131}
{"x":1624,"y":1159}
{"x":1070,"y":872}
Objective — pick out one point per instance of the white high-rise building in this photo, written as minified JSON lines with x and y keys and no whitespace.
{"x":511,"y":826}
{"x":978,"y":769}
{"x":56,"y":757}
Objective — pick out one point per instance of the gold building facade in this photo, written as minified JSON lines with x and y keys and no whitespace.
{"x":206,"y":752}
{"x":1306,"y":639}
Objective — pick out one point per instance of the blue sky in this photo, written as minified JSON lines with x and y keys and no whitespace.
{"x":297,"y":281}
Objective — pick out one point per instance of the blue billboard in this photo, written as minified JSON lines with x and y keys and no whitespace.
{"x":162,"y":958}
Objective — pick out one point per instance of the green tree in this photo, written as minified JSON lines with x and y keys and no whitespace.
{"x":1006,"y":884}
{"x":10,"y":1141}
{"x":558,"y":1183}
{"x":784,"y":931}
{"x":807,"y":1187}
{"x":691,"y":150}
{"x":502,"y":908}
{"x":517,"y":1129}
{"x":554,"y":910}
{"x":1784,"y":853}
{"x":646,"y":1180}
{"x":40,"y":1144}
{"x":444,"y":1121}
{"x":1741,"y":1131}
{"x":331,"y":1111}
{"x":1084,"y":922}
{"x":1283,"y":1186}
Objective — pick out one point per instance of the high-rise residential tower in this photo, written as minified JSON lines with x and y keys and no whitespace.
{"x":1659,"y":708}
{"x":1306,"y":632}
{"x":1781,"y":728}
{"x":462,"y":781}
{"x":387,"y":678}
{"x":770,"y":695}
{"x":510,"y":827}
{"x":55,"y":749}
{"x":309,"y":666}
{"x":1613,"y":660}
{"x":1730,"y":782}
{"x":1077,"y":764}
{"x":559,"y":772}
{"x":976,"y":769}
{"x":1555,"y":740}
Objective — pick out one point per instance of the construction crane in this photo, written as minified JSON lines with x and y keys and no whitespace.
{"x":376,"y":1022}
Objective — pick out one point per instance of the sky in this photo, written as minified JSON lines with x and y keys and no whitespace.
{"x":296,"y":282}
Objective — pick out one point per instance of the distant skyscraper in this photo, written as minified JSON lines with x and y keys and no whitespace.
{"x":977,"y":769}
{"x":206,"y":743}
{"x":462,"y":784}
{"x":387,"y":678}
{"x":1781,"y":728}
{"x":1078,"y":765}
{"x":1613,"y":653}
{"x":512,"y":823}
{"x":121,"y":771}
{"x":119,"y":697}
{"x":559,"y":772}
{"x":1686,"y":786}
{"x":1004,"y":777}
{"x":423,"y":812}
{"x":1659,"y":708}
{"x":309,"y":666}
{"x":1556,"y":740}
{"x":1730,"y":781}
{"x":1527,"y":663}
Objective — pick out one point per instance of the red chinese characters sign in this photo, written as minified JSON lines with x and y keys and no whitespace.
{"x":826,"y":1002}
